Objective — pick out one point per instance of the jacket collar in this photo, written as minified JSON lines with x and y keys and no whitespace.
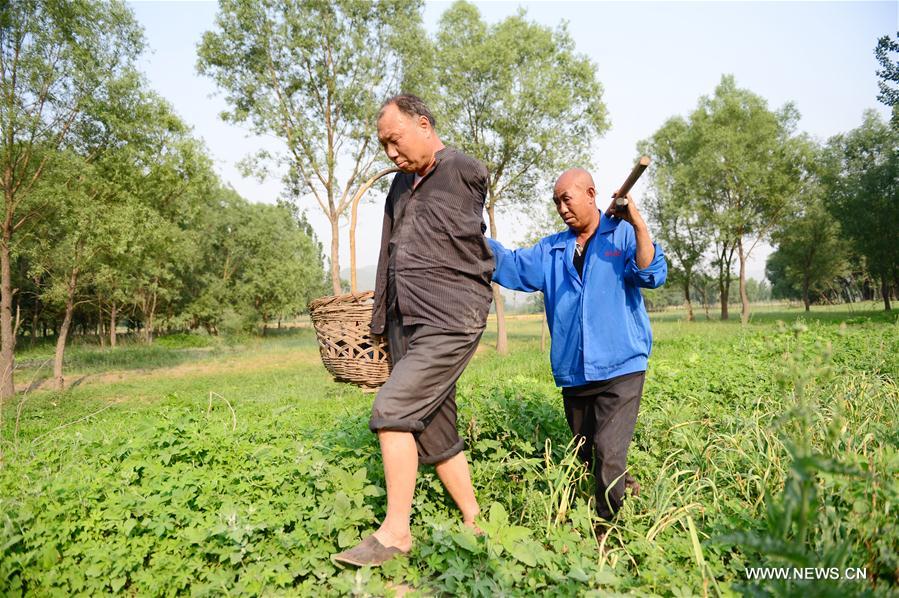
{"x":607,"y":224}
{"x":566,"y":241}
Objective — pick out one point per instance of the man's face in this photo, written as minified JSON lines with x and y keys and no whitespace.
{"x":405,"y":139}
{"x":575,"y":201}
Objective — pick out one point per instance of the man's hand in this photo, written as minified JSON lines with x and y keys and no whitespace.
{"x":630,"y":213}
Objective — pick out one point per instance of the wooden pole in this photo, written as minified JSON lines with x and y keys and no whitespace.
{"x":621,"y":195}
{"x":365,"y":187}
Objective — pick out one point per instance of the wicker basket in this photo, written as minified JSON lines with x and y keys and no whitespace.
{"x":341,"y":322}
{"x":348,"y":350}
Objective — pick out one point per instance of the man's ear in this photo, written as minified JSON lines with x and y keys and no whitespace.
{"x":591,"y":193}
{"x":425,"y":124}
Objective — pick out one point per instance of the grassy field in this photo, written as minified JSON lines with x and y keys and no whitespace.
{"x":212,"y":468}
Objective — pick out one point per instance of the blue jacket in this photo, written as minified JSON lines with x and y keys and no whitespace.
{"x":599,"y":327}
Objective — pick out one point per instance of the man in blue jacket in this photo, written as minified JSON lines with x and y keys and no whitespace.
{"x":591,"y":276}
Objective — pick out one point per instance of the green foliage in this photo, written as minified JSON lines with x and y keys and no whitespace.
{"x":830,"y":490}
{"x":755,"y":446}
{"x":864,"y":182}
{"x":812,"y":251}
{"x":313,"y":74}
{"x":255,"y":263}
{"x":63,"y":66}
{"x":182,"y":340}
{"x":889,"y":70}
{"x":516,"y":96}
{"x":725,"y":176}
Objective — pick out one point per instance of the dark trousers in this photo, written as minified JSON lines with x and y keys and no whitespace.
{"x":605,"y":416}
{"x":420,"y":395}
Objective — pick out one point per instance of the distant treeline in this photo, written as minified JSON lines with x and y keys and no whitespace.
{"x":734,"y":173}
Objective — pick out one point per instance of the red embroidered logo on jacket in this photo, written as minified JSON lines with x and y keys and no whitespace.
{"x":613,"y":253}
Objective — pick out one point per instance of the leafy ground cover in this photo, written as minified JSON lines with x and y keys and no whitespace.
{"x":239,"y":469}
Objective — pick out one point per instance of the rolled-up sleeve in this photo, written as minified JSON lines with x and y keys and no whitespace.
{"x":653,"y":275}
{"x":519,"y":269}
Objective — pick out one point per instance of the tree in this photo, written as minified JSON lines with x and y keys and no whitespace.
{"x":741,"y":162}
{"x":256,"y":261}
{"x":705,"y":285}
{"x":68,"y":244}
{"x":313,"y":74}
{"x":680,"y":222}
{"x":112,"y":195}
{"x":284,"y":271}
{"x":516,"y":96}
{"x":811,"y":251}
{"x":56,"y":60}
{"x":863,"y":184}
{"x":889,"y":70}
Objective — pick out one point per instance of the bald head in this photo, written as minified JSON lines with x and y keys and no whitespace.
{"x":575,"y":198}
{"x":577,"y":177}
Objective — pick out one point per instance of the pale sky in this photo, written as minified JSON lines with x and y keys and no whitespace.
{"x":654,"y":60}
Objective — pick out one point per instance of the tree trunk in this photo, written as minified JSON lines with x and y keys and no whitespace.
{"x":690,"y":317}
{"x":100,"y":331}
{"x":64,"y":332}
{"x":7,"y":340}
{"x":148,"y":334}
{"x":744,"y":297}
{"x":704,"y":299}
{"x":724,"y":287}
{"x":502,"y":340}
{"x":335,"y":255}
{"x":805,"y":285}
{"x":725,"y":259}
{"x":885,"y":291}
{"x":34,"y":325}
{"x":112,"y":324}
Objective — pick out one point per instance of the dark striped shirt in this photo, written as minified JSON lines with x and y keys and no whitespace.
{"x":433,"y":251}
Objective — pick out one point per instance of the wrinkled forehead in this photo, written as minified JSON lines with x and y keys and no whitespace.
{"x":566,"y":184}
{"x":391,"y":120}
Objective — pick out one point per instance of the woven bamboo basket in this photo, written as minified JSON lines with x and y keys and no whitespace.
{"x":348,"y":350}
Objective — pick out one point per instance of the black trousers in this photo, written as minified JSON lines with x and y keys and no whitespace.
{"x":605,"y":415}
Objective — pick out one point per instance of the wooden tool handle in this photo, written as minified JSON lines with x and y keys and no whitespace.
{"x":620,"y":195}
{"x":362,"y":189}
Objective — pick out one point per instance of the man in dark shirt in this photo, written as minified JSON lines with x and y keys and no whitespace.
{"x":432,"y":295}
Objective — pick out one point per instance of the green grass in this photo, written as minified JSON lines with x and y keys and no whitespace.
{"x":239,"y":468}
